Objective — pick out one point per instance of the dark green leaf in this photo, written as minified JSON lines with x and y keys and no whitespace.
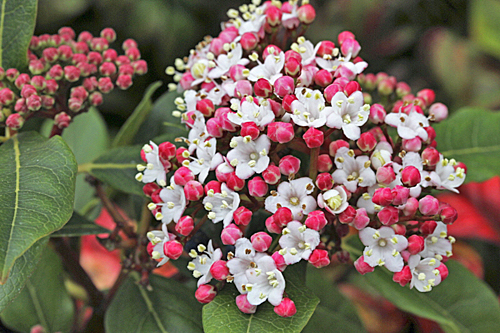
{"x":168,"y":307}
{"x":17,"y":23}
{"x":222,"y":315}
{"x":79,"y":226}
{"x":37,"y":188}
{"x":471,"y":136}
{"x":117,"y":167}
{"x":21,"y":271}
{"x":44,"y":301}
{"x":461,"y":303}
{"x":128,"y":131}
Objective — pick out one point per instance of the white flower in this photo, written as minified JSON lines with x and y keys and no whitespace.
{"x":349,"y":113}
{"x":438,"y":243}
{"x":249,"y":156}
{"x":270,"y":69}
{"x":291,"y":20}
{"x":352,"y":171}
{"x":200,"y":265}
{"x":425,"y":274}
{"x":383,"y":248}
{"x":174,"y":203}
{"x":155,"y":170}
{"x":409,"y":126}
{"x":306,"y":50}
{"x":309,"y":108}
{"x":200,"y":70}
{"x":334,"y":200}
{"x":445,"y":176}
{"x":226,"y":61}
{"x":244,"y":259}
{"x":293,"y":195}
{"x":297,"y":242}
{"x":365,"y":201}
{"x":221,"y":206}
{"x":381,"y":155}
{"x":207,"y":159}
{"x":254,"y":20}
{"x":248,"y":111}
{"x":158,"y":238}
{"x":198,"y":132}
{"x":265,"y":282}
{"x":350,"y":70}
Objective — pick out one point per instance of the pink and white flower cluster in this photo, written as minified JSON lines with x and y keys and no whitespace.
{"x":295,"y":133}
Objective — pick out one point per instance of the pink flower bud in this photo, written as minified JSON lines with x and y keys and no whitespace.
{"x":293,"y":67}
{"x":214,"y":127}
{"x":109,"y":34}
{"x":428,"y":227}
{"x":186,"y":80}
{"x":351,"y":88}
{"x":416,"y":244}
{"x":230,"y":234}
{"x":48,"y":102}
{"x":411,"y":207}
{"x":306,"y":14}
{"x":219,"y":270}
{"x":166,"y":151}
{"x":95,"y":98}
{"x":85,"y":36}
{"x":410,"y":176}
{"x":443,"y":271}
{"x":229,"y":34}
{"x":386,"y":86}
{"x":447,"y":213}
{"x":319,"y":258}
{"x":140,"y":67}
{"x":250,"y":129}
{"x":289,"y":165}
{"x":71,"y":73}
{"x":236,"y":72}
{"x":430,"y":156}
{"x":287,"y":102}
{"x":124,"y":82}
{"x":377,"y":114}
{"x":271,"y":175}
{"x":400,"y":195}
{"x":6,"y":96}
{"x":261,"y":241}
{"x":366,"y":142}
{"x":362,"y":267}
{"x":38,"y":82}
{"x":279,"y":260}
{"x":227,"y":125}
{"x":316,"y":220}
{"x":323,"y":78}
{"x":361,"y":220}
{"x":15,"y":121}
{"x":34,"y":103}
{"x":11,"y":74}
{"x":324,"y":181}
{"x":105,"y":85}
{"x":324,"y":163}
{"x":193,"y":190}
{"x":99,"y":44}
{"x":431,"y":133}
{"x":428,"y":205}
{"x":283,"y":216}
{"x":242,"y":216}
{"x":205,"y":106}
{"x":427,"y":95}
{"x":21,"y":80}
{"x":336,"y":145}
{"x":107,"y":68}
{"x":243,"y":88}
{"x":27,"y":91}
{"x":20,"y":106}
{"x":272,"y":226}
{"x":79,"y":93}
{"x":50,"y":54}
{"x":286,"y":308}
{"x":348,"y":215}
{"x":438,"y":112}
{"x":185,"y":225}
{"x":331,"y":90}
{"x":280,"y":132}
{"x":172,"y":249}
{"x":75,"y":104}
{"x":414,"y":144}
{"x":248,"y":41}
{"x":382,"y":196}
{"x":183,"y":175}
{"x":245,"y":306}
{"x":217,"y":46}
{"x":403,"y":277}
{"x":284,"y":86}
{"x":235,"y":183}
{"x":313,"y":137}
{"x":205,"y":293}
{"x":263,"y":88}
{"x":257,"y":187}
{"x":149,"y":188}
{"x":90,"y":83}
{"x":385,"y":175}
{"x":270,"y":49}
{"x":350,"y":46}
{"x":212,"y":185}
{"x":388,"y":215}
{"x":402,"y":89}
{"x":326,"y":47}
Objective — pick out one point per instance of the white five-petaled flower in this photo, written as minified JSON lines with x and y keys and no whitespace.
{"x":382,"y":154}
{"x":200,"y":265}
{"x":353,"y":171}
{"x":409,"y":126}
{"x":383,"y":248}
{"x":244,"y":259}
{"x":221,"y":206}
{"x":226,"y":61}
{"x":349,"y":113}
{"x":334,"y":200}
{"x":425,"y":273}
{"x":248,"y":111}
{"x":270,"y":69}
{"x":446,"y":176}
{"x":207,"y":159}
{"x":309,"y":108}
{"x":249,"y":157}
{"x":438,"y":244}
{"x":154,"y":170}
{"x":293,"y":195}
{"x":200,"y":70}
{"x":174,"y":203}
{"x":252,"y":20}
{"x":158,"y":238}
{"x":297,"y":242}
{"x":265,"y":282}
{"x":198,"y":132}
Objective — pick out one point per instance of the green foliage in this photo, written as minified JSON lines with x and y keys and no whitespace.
{"x":20,"y":272}
{"x":17,"y":23}
{"x":36,"y":193}
{"x":165,"y":308}
{"x":44,"y":301}
{"x":471,"y":136}
{"x":485,"y":25}
{"x":79,"y":226}
{"x":222,"y":315}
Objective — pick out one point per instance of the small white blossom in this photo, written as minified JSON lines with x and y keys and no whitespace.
{"x":249,"y":156}
{"x":334,"y":200}
{"x":226,"y":61}
{"x":309,"y":108}
{"x":382,"y":154}
{"x":248,"y":111}
{"x":174,"y":202}
{"x":409,"y":126}
{"x":353,"y":171}
{"x":293,"y":195}
{"x":265,"y":282}
{"x":244,"y":259}
{"x":425,"y":274}
{"x":297,"y":242}
{"x":270,"y":69}
{"x":222,"y":205}
{"x":158,"y":238}
{"x":155,"y":170}
{"x":207,"y":159}
{"x":200,"y":265}
{"x":445,"y":176}
{"x":437,"y":244}
{"x":383,"y":248}
{"x":349,"y":113}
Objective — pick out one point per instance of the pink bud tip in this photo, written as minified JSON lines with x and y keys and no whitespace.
{"x":286,"y":308}
{"x":319,"y":258}
{"x":205,"y":293}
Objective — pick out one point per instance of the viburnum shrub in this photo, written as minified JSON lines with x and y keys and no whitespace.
{"x":291,"y":147}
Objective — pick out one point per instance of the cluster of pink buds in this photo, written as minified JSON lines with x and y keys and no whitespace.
{"x":66,"y":77}
{"x":292,"y":133}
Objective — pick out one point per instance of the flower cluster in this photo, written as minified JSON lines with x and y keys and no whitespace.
{"x":66,"y":77}
{"x":296,"y":134}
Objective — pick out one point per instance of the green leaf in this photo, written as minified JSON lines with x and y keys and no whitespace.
{"x":44,"y":301}
{"x":222,"y":315}
{"x":168,"y":307}
{"x":461,"y":303}
{"x":335,"y":313}
{"x":485,"y":26}
{"x":117,"y":167}
{"x":21,"y":271}
{"x":37,"y":188}
{"x":471,"y":136}
{"x":17,"y":23}
{"x":79,"y":226}
{"x":127,"y":132}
